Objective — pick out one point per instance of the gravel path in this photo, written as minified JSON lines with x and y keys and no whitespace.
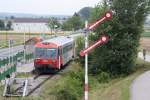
{"x":140,"y":88}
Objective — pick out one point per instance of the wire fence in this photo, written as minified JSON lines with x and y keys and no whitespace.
{"x":8,"y":64}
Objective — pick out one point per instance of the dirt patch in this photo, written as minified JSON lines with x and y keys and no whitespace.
{"x":15,"y":37}
{"x":145,"y":43}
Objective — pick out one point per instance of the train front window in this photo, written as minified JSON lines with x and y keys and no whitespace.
{"x":45,"y":53}
{"x":40,"y":52}
{"x":51,"y":53}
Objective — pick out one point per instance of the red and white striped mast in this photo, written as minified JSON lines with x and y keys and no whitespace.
{"x":108,"y":15}
{"x":86,"y":64}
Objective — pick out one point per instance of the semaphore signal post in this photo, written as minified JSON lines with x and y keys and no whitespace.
{"x":103,"y":39}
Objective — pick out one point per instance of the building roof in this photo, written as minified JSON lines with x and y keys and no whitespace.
{"x":34,"y":39}
{"x":31,"y":20}
{"x":60,"y":41}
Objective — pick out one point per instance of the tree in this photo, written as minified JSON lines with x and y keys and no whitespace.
{"x":118,"y":56}
{"x":2,"y":26}
{"x":85,"y":13}
{"x":73,"y":23}
{"x":53,"y":24}
{"x":9,"y":25}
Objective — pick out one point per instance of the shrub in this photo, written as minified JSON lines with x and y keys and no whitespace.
{"x":70,"y":86}
{"x":103,"y":77}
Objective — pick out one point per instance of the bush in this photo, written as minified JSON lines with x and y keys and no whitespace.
{"x":71,"y":86}
{"x":103,"y":77}
{"x":72,"y":90}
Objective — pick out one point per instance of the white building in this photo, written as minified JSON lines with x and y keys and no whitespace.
{"x":31,"y":25}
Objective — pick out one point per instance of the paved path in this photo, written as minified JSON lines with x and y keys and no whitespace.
{"x":140,"y":89}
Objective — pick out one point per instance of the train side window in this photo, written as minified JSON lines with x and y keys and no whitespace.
{"x":67,"y":48}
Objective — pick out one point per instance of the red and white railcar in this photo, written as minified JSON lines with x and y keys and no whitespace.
{"x":54,"y":53}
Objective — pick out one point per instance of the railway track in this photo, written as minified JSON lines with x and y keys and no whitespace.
{"x":34,"y":86}
{"x":38,"y":80}
{"x":18,"y":86}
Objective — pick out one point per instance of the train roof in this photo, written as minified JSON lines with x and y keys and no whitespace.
{"x":60,"y":41}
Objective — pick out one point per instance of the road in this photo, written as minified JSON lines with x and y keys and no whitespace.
{"x":140,"y":88}
{"x":5,"y":52}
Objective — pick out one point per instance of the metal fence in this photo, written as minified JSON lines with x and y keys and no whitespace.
{"x":8,"y":65}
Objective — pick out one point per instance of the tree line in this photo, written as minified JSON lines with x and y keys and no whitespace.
{"x":7,"y":26}
{"x":73,"y":23}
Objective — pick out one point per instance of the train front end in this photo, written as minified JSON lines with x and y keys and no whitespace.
{"x":46,"y":56}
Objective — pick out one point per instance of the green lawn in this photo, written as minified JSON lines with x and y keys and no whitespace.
{"x":118,"y":89}
{"x":5,"y":44}
{"x":49,"y":87}
{"x":146,"y":34}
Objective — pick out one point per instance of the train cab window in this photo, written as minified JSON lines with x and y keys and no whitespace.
{"x":39,"y":52}
{"x":51,"y":53}
{"x":45,"y":53}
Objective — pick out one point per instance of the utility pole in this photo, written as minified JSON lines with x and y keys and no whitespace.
{"x":12,"y":51}
{"x":24,"y":45}
{"x":86,"y":64}
{"x":5,"y":24}
{"x":9,"y":51}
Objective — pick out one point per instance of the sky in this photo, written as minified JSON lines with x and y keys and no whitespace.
{"x":47,"y":7}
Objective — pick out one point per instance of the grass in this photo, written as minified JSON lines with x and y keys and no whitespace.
{"x":5,"y":44}
{"x":29,"y":33}
{"x":48,"y":88}
{"x":23,"y":75}
{"x":11,"y":33}
{"x":18,"y":37}
{"x":65,"y":82}
{"x":146,"y":34}
{"x":118,"y":89}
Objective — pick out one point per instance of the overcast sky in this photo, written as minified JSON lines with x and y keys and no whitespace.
{"x":52,"y":7}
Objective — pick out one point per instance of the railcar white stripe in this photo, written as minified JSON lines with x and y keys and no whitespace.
{"x":86,"y":95}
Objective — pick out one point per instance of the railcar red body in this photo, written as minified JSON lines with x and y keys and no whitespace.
{"x":54,"y":53}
